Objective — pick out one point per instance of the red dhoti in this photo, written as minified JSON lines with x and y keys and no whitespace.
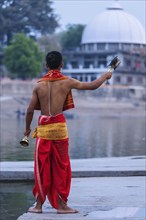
{"x":52,"y":170}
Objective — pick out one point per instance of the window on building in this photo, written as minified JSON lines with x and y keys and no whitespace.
{"x":83,"y":48}
{"x":113,"y":46}
{"x":136,"y":46}
{"x":86,"y":78}
{"x":136,"y":49}
{"x":128,"y":62}
{"x":81,"y":79}
{"x":93,"y":78}
{"x":139,"y":80}
{"x":74,"y":64}
{"x":126,"y":47}
{"x":137,"y":64}
{"x":90,"y":47}
{"x":101,"y":46}
{"x":102,"y":61}
{"x":87,"y":64}
{"x":88,"y":56}
{"x":129,"y":79}
{"x":117,"y":79}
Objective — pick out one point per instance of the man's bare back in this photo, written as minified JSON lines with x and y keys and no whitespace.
{"x":52,"y":95}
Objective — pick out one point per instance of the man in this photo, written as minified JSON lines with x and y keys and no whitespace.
{"x":52,"y":95}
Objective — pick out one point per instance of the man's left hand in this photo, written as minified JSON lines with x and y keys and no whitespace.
{"x":27,"y":132}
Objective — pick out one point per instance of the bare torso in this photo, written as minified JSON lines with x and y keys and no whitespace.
{"x":49,"y":97}
{"x":52,"y":96}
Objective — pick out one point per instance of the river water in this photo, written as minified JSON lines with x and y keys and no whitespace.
{"x":90,"y":136}
{"x":15,"y":199}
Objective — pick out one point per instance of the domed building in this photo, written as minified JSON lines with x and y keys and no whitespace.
{"x":112,"y":32}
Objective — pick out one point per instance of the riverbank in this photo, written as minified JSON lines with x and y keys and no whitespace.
{"x":12,"y":105}
{"x":110,"y":101}
{"x":104,"y":188}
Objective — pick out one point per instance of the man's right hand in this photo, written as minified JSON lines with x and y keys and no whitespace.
{"x":109,"y":75}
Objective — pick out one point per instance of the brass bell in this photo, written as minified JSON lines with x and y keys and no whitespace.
{"x":24,"y":142}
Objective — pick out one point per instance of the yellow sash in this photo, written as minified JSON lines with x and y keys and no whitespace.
{"x":54,"y":131}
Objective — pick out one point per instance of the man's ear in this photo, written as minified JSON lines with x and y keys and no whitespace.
{"x":47,"y":65}
{"x":61,"y":65}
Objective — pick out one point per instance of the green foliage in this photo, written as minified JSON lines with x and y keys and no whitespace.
{"x":71,"y":38}
{"x":23,"y":57}
{"x":25,"y":16}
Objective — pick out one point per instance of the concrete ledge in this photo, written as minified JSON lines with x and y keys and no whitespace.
{"x":16,"y":176}
{"x":109,"y":173}
{"x":95,"y":167}
{"x":29,"y":176}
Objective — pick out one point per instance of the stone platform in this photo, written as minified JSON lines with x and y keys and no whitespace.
{"x":102,"y":189}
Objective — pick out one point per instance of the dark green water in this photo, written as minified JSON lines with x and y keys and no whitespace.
{"x":15,"y":199}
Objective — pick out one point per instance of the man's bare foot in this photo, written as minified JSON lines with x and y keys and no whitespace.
{"x":35,"y":210}
{"x":66,"y":210}
{"x":63,"y":208}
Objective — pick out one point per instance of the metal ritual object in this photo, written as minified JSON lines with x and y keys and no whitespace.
{"x":115,"y":62}
{"x":24,"y":142}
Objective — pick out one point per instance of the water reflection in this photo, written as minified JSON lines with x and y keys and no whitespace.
{"x":93,"y":136}
{"x":90,"y":136}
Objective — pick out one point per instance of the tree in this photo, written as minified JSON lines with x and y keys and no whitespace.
{"x":72,"y":37}
{"x":23,"y":57}
{"x":25,"y":16}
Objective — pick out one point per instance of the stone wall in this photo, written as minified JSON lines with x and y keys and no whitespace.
{"x":16,"y":87}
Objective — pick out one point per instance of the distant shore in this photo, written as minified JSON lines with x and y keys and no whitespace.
{"x":10,"y":105}
{"x":109,"y":101}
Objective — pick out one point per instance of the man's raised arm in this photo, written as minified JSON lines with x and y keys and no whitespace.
{"x":75,"y":84}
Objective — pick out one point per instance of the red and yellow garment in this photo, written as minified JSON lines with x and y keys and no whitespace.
{"x":52,"y":168}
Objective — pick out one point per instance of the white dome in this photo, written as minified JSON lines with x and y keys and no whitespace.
{"x":114,"y":26}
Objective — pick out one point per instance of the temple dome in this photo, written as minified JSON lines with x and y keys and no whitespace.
{"x":114,"y":25}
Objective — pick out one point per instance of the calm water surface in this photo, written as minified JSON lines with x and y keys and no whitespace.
{"x":15,"y":199}
{"x":90,"y":136}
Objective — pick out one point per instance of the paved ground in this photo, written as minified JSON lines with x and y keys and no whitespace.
{"x":104,"y":189}
{"x":99,"y":198}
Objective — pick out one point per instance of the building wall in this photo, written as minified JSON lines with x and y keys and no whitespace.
{"x":132,"y":70}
